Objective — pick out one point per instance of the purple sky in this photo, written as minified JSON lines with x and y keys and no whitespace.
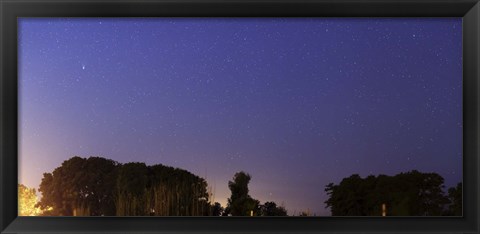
{"x":297,"y":103}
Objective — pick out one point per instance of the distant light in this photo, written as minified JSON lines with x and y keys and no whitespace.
{"x":384,"y":209}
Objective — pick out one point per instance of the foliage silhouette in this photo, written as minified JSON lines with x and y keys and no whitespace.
{"x":406,"y":194}
{"x":101,"y":187}
{"x":80,"y":184}
{"x":455,"y":196}
{"x":271,"y":209}
{"x":97,"y":186}
{"x":240,"y":203}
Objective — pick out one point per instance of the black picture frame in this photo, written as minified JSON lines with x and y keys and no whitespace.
{"x":11,"y":9}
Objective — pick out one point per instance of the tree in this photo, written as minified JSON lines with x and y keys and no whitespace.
{"x":132,"y":180}
{"x":177,"y":192}
{"x":217,"y":209}
{"x":80,"y":186}
{"x":27,"y":200}
{"x":98,"y":186}
{"x":60,"y":189}
{"x":271,"y":209}
{"x":240,"y":203}
{"x":406,"y":194}
{"x":346,"y":199}
{"x":455,"y":197}
{"x":421,"y":192}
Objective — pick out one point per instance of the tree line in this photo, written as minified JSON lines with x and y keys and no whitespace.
{"x":405,"y":194}
{"x":97,"y":186}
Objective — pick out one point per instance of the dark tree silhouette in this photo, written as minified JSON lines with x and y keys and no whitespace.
{"x":271,"y":209}
{"x":79,"y":187}
{"x":406,"y":194}
{"x":455,"y":196}
{"x":132,"y":181}
{"x":217,"y":209}
{"x":98,"y":186}
{"x":240,"y":203}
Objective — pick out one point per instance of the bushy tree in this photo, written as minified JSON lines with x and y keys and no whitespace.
{"x":132,"y":180}
{"x":27,"y":200}
{"x":271,"y":209}
{"x":406,"y":194}
{"x":217,"y":209}
{"x":98,"y":186}
{"x":455,"y":196}
{"x":79,"y":185}
{"x":240,"y":203}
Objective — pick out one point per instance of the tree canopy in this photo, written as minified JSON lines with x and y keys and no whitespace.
{"x":27,"y":200}
{"x":97,"y":186}
{"x":406,"y":194}
{"x":82,"y":185}
{"x":455,"y":196}
{"x":240,"y":202}
{"x":271,"y":209}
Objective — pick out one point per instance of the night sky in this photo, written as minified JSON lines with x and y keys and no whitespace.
{"x":297,"y":103}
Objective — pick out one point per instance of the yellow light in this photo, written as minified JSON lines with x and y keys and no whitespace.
{"x":27,"y":199}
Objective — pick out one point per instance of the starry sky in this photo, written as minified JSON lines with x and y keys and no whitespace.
{"x":296,"y":102}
